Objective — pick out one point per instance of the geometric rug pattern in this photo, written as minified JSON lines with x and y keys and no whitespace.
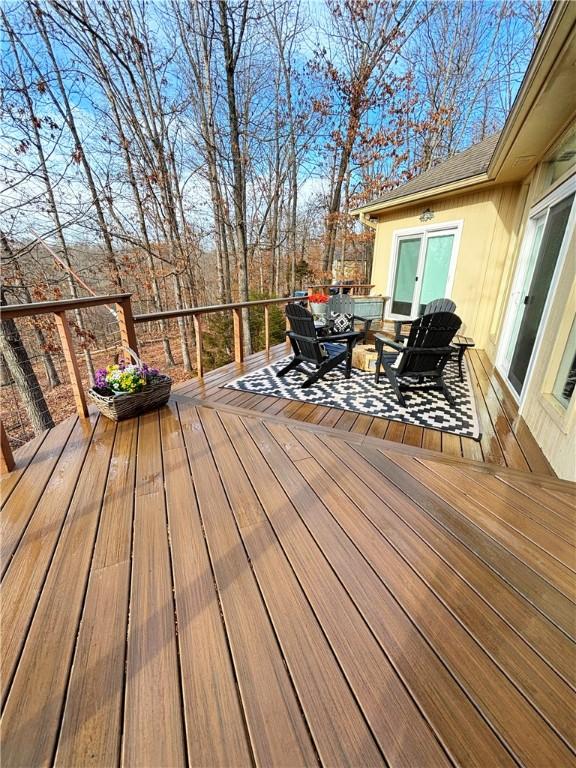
{"x":361,"y":394}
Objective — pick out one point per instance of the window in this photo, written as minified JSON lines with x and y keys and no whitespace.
{"x":566,"y":378}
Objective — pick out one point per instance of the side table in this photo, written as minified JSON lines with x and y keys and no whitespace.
{"x":461,"y":344}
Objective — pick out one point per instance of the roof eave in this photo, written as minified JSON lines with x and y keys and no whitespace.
{"x":543,"y":58}
{"x":417,"y":197}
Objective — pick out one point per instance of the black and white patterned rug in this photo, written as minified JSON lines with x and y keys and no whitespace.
{"x":361,"y":394}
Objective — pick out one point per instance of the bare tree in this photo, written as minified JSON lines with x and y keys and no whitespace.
{"x":366,"y":37}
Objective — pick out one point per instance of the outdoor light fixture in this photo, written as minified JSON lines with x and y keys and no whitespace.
{"x":427,"y":215}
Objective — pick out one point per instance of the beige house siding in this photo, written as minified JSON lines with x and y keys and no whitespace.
{"x":489,"y":218}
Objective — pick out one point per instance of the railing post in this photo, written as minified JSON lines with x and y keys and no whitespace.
{"x":198,"y":339}
{"x":126,"y":323}
{"x":238,"y":340}
{"x":267,"y":328}
{"x":7,"y":464}
{"x":71,"y":363}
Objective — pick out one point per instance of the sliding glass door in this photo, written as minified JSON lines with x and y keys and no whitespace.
{"x":423,"y":268}
{"x":547,"y":235}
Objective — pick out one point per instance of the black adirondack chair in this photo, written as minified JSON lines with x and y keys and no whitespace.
{"x":343,"y":304}
{"x":402,"y":327}
{"x":324,"y":353}
{"x":424,"y":357}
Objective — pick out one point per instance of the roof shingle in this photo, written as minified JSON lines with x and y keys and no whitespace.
{"x":471,"y":162}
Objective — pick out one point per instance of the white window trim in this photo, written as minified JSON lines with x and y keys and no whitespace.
{"x":555,"y":196}
{"x":398,"y":234}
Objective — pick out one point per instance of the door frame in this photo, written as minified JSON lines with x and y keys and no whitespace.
{"x":512,"y":304}
{"x":447,"y":227}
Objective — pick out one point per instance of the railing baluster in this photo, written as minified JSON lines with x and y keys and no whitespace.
{"x":71,"y":362}
{"x":8,"y":462}
{"x":198,"y":338}
{"x":267,"y":328}
{"x":126,"y":323}
{"x":238,"y":339}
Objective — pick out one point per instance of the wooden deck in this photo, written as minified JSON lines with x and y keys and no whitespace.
{"x":208,"y":586}
{"x":506,"y":440}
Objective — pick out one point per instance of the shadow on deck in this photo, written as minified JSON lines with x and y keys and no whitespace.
{"x":207,"y":585}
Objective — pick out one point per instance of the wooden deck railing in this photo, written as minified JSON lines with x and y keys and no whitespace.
{"x":197,"y":312}
{"x":123,"y":312}
{"x":126,"y":321}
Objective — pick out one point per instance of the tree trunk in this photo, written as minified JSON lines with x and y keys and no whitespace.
{"x":22,"y":372}
{"x":186,"y":360}
{"x":239,"y":179}
{"x":6,"y":378}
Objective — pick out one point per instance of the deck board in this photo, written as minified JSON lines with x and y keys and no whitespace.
{"x":542,"y":635}
{"x":153,"y":693}
{"x":443,"y":703}
{"x":215,"y":729}
{"x":348,"y":636}
{"x":276,"y":591}
{"x":26,"y":572}
{"x":336,"y":723}
{"x":277,"y":729}
{"x":38,"y":692}
{"x":488,"y":685}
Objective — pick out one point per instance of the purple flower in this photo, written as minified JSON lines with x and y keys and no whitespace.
{"x":100,"y":377}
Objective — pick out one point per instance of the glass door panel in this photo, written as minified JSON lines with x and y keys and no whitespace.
{"x":405,"y":278}
{"x":436,"y":269}
{"x":534,"y":300}
{"x":539,"y":224}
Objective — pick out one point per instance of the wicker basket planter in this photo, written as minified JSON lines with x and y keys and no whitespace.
{"x":126,"y":405}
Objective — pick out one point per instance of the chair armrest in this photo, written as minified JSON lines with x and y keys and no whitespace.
{"x":342,"y":336}
{"x":309,"y":339}
{"x":366,"y":320}
{"x":431,"y":350}
{"x":398,"y":328}
{"x":389,"y":343}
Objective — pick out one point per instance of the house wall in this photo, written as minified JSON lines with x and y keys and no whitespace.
{"x":488,"y":233}
{"x":552,"y":426}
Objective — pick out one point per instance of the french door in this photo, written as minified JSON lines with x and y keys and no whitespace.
{"x":423,"y":269}
{"x":547,"y":235}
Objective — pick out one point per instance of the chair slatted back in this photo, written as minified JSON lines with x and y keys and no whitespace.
{"x":341,"y":303}
{"x":429,"y":332}
{"x":439,"y":305}
{"x":302,"y":323}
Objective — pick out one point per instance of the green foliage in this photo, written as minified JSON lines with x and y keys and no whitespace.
{"x":303,"y":272}
{"x":217,"y":346}
{"x":277,"y":323}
